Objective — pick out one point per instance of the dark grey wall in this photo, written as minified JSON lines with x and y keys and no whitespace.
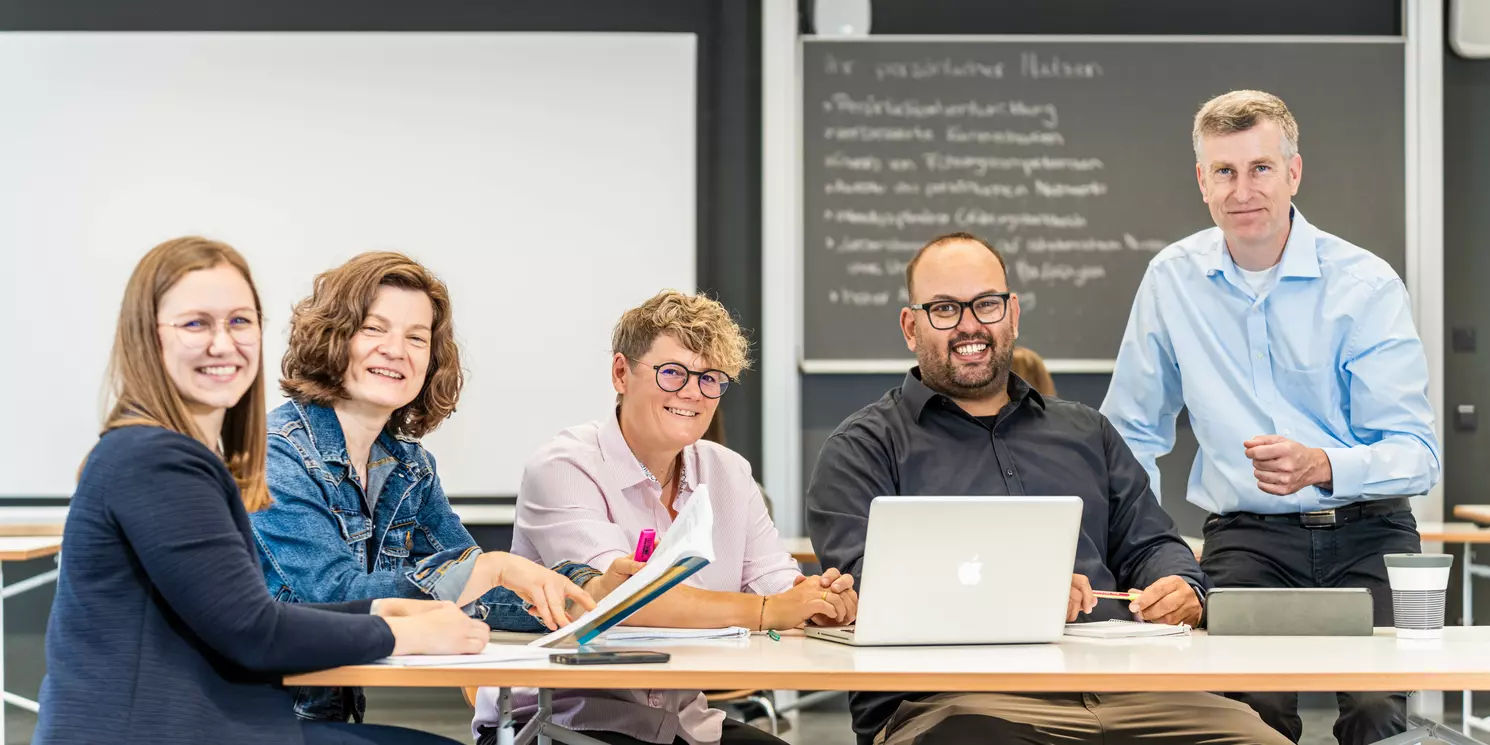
{"x":1466,"y":133}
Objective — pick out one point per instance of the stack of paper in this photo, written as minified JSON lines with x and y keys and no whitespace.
{"x":650,"y":633}
{"x":492,"y":654}
{"x":1125,"y":629}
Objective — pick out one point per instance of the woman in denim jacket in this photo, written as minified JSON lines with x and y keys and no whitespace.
{"x":358,"y":510}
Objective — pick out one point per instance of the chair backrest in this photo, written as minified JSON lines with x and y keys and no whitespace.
{"x":470,"y":694}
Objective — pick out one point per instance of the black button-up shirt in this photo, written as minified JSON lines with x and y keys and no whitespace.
{"x":914,"y":441}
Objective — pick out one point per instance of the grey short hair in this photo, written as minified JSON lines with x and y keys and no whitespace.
{"x":1239,"y":111}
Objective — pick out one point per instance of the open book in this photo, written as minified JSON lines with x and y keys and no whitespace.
{"x":687,"y":547}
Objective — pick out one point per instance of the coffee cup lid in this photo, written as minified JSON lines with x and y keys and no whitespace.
{"x":1419,"y":561}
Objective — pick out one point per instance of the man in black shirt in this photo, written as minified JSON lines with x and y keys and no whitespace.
{"x":960,"y":424}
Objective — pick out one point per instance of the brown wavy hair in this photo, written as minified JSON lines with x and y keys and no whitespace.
{"x":142,"y":391}
{"x":322,"y":327}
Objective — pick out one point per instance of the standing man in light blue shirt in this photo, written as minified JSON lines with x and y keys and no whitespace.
{"x":1305,"y":380}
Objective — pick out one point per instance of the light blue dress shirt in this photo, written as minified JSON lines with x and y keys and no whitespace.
{"x":1327,"y":356}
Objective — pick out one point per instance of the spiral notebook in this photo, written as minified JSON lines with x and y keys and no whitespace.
{"x":1125,"y":630}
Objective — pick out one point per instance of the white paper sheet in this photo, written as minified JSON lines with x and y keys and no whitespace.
{"x":651,"y":633}
{"x":492,"y":654}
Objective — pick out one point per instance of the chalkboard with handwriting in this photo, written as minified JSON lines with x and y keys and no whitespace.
{"x":1073,"y":158}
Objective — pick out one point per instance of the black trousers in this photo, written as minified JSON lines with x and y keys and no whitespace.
{"x":1245,"y":550}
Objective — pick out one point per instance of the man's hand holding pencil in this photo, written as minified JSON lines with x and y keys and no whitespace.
{"x":1170,"y":600}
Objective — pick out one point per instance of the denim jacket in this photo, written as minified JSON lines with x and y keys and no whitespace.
{"x":319,"y":543}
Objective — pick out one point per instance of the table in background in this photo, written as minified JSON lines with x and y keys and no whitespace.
{"x":21,"y":548}
{"x":1468,"y":535}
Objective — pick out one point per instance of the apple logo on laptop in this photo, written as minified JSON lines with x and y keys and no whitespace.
{"x":970,"y":572}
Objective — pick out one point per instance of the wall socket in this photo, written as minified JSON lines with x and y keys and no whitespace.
{"x":1465,"y":418}
{"x":1463,"y":339}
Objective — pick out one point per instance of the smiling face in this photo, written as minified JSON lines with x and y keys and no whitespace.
{"x":389,"y":354}
{"x":658,"y":419}
{"x":1248,"y":182}
{"x":210,"y":365}
{"x":969,"y":361}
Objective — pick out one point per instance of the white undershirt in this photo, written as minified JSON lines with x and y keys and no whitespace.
{"x":1260,"y":281}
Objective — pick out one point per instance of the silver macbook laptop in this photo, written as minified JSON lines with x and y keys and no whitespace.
{"x":964,"y":570}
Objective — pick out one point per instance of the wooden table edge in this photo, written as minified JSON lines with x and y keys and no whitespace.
{"x":30,"y":530}
{"x":31,"y":553}
{"x":838,"y":680}
{"x":1475,"y":513}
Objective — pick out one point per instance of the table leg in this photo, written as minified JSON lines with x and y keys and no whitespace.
{"x":9,"y":591}
{"x":1467,"y":594}
{"x":505,"y":723}
{"x":545,"y":708}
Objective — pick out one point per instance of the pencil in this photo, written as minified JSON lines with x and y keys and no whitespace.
{"x":1129,"y":596}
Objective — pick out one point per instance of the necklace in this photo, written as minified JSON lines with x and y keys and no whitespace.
{"x":672,"y":472}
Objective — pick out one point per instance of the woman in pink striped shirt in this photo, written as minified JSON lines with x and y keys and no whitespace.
{"x":587,"y":495}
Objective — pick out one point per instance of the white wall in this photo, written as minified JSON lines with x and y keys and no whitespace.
{"x":548,"y":178}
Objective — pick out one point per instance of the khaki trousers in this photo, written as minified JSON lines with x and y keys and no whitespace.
{"x":1065,"y":718}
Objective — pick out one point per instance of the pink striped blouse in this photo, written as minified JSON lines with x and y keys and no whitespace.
{"x":585,"y":497}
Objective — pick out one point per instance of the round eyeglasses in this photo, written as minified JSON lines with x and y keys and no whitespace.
{"x":197,"y":332}
{"x":673,"y":376}
{"x":945,"y":314}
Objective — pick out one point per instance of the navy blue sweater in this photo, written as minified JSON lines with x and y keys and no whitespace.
{"x":162,"y":631}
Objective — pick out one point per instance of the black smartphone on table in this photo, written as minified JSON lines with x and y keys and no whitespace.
{"x":627,"y":657}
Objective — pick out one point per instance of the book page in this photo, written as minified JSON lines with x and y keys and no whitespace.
{"x":690,"y":537}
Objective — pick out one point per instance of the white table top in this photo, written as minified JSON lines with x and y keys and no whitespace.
{"x":29,"y":521}
{"x":1461,"y":660}
{"x":1453,"y":532}
{"x":29,"y":547}
{"x":485,"y":514}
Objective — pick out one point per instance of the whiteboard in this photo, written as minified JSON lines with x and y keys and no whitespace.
{"x":530,"y":171}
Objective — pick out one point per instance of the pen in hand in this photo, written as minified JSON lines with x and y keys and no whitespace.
{"x":1131,"y":597}
{"x":1108,"y":595}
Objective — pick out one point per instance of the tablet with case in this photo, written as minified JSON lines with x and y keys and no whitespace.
{"x":1267,"y":611}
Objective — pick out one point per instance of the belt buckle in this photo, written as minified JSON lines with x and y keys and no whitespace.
{"x":1318,"y":519}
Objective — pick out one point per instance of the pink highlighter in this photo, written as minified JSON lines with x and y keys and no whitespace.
{"x":646,"y":543}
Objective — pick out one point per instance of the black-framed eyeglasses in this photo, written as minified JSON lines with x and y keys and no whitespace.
{"x":673,"y":376}
{"x":988,"y":308}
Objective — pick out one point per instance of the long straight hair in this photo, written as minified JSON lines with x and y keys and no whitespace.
{"x":143,"y":393}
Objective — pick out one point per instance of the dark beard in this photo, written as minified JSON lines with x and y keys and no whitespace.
{"x":940,"y":374}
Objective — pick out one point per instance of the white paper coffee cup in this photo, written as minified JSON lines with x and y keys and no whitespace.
{"x":1419,"y":584}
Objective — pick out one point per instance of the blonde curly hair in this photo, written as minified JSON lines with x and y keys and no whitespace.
{"x":700,"y":323}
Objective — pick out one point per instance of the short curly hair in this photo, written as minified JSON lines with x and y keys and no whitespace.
{"x":322,"y":327}
{"x":700,"y":323}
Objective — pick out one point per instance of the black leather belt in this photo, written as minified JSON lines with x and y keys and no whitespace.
{"x":1340,"y":515}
